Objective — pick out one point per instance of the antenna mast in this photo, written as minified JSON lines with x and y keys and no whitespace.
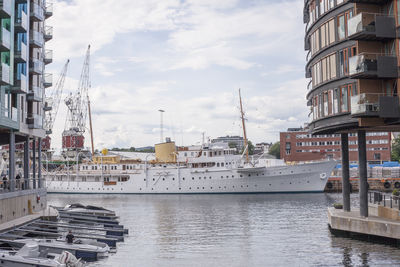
{"x":244,"y":127}
{"x":161,"y":125}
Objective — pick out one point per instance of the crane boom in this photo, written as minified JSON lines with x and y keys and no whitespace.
{"x":53,"y":100}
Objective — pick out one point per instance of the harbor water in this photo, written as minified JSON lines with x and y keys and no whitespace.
{"x":231,"y":230}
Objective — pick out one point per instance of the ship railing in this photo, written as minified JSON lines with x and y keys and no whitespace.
{"x":382,"y":199}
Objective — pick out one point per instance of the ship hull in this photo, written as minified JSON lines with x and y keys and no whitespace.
{"x":303,"y":178}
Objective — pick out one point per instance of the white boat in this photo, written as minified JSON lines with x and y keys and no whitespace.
{"x":29,"y":255}
{"x":209,"y":168}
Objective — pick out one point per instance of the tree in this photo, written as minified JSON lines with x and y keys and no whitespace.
{"x":396,"y":149}
{"x":250,"y":148}
{"x":232,"y":145}
{"x":275,"y":150}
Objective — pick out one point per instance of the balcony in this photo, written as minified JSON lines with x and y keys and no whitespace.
{"x":48,"y":33}
{"x":5,"y":42}
{"x":375,"y":105}
{"x":5,"y":8}
{"x":371,"y":26}
{"x":48,"y":56}
{"x":21,"y":84}
{"x":47,"y":80}
{"x":372,"y":66}
{"x":36,"y":39}
{"x":21,"y":23}
{"x":37,"y":12}
{"x":48,"y":11}
{"x":20,"y":55}
{"x":34,"y":121}
{"x":5,"y":74}
{"x":36,"y":66}
{"x":35,"y":95}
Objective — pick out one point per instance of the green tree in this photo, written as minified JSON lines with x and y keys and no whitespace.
{"x":275,"y":150}
{"x":232,"y":145}
{"x":396,"y":149}
{"x":250,"y":147}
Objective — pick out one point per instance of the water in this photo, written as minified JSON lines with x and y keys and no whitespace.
{"x":231,"y":230}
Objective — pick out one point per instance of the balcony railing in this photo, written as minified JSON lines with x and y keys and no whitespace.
{"x":47,"y":80}
{"x":375,"y":105}
{"x":371,"y":26}
{"x":36,"y":66}
{"x":34,"y":121}
{"x":14,"y":114}
{"x":21,"y":23}
{"x":5,"y":7}
{"x":48,"y":33}
{"x":37,"y":12}
{"x":35,"y":94}
{"x":48,"y":11}
{"x":5,"y":42}
{"x":5,"y":74}
{"x":36,"y":39}
{"x":368,"y":65}
{"x":48,"y":56}
{"x":20,"y":55}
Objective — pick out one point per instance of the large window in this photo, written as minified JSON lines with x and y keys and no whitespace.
{"x":344,"y":99}
{"x":324,"y":70}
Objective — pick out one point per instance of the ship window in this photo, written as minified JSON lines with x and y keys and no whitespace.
{"x":227,"y":176}
{"x":203,"y":187}
{"x":163,"y":179}
{"x":241,"y":175}
{"x":183,"y":178}
{"x":173,"y":179}
{"x":211,"y":187}
{"x":192,"y":178}
{"x":222,"y":176}
{"x":217,"y":164}
{"x":222,"y":164}
{"x":180,"y":188}
{"x":233,"y":176}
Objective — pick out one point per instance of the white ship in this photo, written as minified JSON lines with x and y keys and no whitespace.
{"x":210,"y":168}
{"x":207,"y":169}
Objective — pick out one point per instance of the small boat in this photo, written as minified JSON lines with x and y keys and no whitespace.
{"x":29,"y":255}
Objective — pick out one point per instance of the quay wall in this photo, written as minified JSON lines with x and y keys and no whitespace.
{"x":334,"y":184}
{"x":14,"y":205}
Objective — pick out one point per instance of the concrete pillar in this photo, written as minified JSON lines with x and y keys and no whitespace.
{"x":26,"y":163}
{"x":34,"y":163}
{"x":362,"y":169}
{"x":345,"y":171}
{"x":40,"y":185}
{"x":11,"y":161}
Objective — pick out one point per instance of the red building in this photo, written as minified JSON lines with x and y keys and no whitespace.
{"x":298,"y":145}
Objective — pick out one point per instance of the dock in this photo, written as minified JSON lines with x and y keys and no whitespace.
{"x":381,"y":225}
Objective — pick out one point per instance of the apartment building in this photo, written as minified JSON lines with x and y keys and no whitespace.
{"x":298,"y":145}
{"x":23,"y":81}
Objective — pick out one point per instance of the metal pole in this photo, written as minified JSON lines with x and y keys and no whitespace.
{"x":362,"y":168}
{"x":345,"y":171}
{"x":40,"y":185}
{"x":161,"y":125}
{"x":34,"y":163}
{"x":11,"y":161}
{"x":26,"y":163}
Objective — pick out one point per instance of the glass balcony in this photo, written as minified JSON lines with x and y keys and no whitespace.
{"x":5,"y":42}
{"x":36,"y":39}
{"x":48,"y":56}
{"x":5,"y":74}
{"x":48,"y":11}
{"x":20,"y":55}
{"x":21,"y":84}
{"x":35,"y":94}
{"x":370,"y":66}
{"x":47,"y":80}
{"x":375,"y":105}
{"x":36,"y":66}
{"x":365,"y":105}
{"x":14,"y":114}
{"x":21,"y":23}
{"x":34,"y":121}
{"x":37,"y":12}
{"x":371,"y":26}
{"x":5,"y":8}
{"x":48,"y":33}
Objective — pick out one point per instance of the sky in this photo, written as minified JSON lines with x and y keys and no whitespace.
{"x":187,"y":57}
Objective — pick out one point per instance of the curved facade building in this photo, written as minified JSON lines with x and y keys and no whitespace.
{"x":352,"y":63}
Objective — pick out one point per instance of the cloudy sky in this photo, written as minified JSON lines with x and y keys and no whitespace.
{"x":188,"y":57}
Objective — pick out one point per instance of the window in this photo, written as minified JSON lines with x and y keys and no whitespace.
{"x":344,"y":102}
{"x":341,"y":27}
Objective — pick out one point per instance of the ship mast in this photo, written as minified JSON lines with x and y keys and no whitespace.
{"x":244,"y":128}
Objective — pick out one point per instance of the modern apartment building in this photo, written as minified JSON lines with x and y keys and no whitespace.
{"x":298,"y":145}
{"x":352,"y":63}
{"x":236,"y":140}
{"x":23,"y":37}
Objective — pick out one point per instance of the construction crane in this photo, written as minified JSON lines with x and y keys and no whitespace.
{"x":53,"y":101}
{"x":78,"y":105}
{"x":51,"y":107}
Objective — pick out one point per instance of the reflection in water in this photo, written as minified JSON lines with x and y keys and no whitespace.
{"x":232,"y":230}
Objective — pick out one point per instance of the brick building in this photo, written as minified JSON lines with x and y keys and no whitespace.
{"x":298,"y":145}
